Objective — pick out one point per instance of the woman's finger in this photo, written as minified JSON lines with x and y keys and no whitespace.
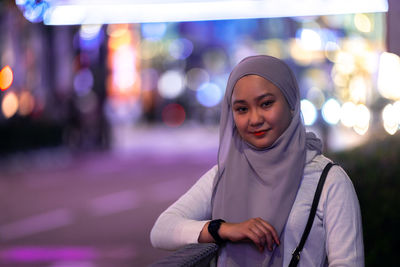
{"x":271,"y":229}
{"x":253,"y":237}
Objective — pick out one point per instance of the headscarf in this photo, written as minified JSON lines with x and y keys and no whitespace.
{"x":254,"y":182}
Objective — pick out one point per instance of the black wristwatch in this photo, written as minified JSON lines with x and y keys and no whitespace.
{"x":213,"y":228}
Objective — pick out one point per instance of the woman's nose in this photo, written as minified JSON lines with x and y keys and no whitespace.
{"x":255,"y":119}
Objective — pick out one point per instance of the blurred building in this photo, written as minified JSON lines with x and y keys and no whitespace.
{"x":80,"y":86}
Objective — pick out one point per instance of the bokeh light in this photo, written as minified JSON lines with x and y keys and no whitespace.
{"x":124,"y":67}
{"x":389,"y":76}
{"x":331,"y":111}
{"x":345,"y":62}
{"x":309,"y":112}
{"x":363,"y":23}
{"x":26,"y":103}
{"x":6,"y":77}
{"x":358,"y":89}
{"x":83,"y":82}
{"x":390,"y":119}
{"x":9,"y":105}
{"x":362,"y":119}
{"x":154,"y":31}
{"x":396,"y":108}
{"x":348,"y":114}
{"x":34,"y":11}
{"x":117,"y":30}
{"x":90,"y":36}
{"x":171,"y":84}
{"x":195,"y":77}
{"x":89,"y":32}
{"x":180,"y":48}
{"x":331,"y":49}
{"x":173,"y":115}
{"x":209,"y":94}
{"x":215,"y":60}
{"x":316,"y":96}
{"x":309,"y":39}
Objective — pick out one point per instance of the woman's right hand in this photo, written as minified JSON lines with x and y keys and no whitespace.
{"x":256,"y":230}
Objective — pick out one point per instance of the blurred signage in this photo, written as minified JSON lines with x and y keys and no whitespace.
{"x":65,"y":12}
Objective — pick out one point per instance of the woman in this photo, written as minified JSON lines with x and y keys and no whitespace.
{"x":260,"y":193}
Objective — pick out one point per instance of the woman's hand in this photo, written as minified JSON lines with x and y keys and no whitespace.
{"x":255,"y":230}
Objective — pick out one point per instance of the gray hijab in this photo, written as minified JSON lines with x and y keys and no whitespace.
{"x":260,"y":183}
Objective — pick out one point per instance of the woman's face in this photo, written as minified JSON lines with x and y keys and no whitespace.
{"x":260,"y":111}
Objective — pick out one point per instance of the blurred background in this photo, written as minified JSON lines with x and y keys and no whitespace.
{"x":110,"y":111}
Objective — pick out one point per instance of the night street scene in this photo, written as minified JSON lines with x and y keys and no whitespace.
{"x":110,"y":112}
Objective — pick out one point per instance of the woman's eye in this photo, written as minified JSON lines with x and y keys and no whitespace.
{"x":267,"y":103}
{"x":241,"y":109}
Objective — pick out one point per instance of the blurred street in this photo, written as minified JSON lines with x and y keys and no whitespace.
{"x":94,"y":209}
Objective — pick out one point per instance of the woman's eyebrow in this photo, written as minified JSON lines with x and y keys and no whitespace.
{"x":239,"y":102}
{"x":258,"y":98}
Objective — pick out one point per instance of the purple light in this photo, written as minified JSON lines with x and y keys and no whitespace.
{"x":36,"y":254}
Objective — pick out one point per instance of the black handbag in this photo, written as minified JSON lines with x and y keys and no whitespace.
{"x":296,"y":253}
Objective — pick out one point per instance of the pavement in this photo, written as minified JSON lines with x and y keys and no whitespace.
{"x":93,"y":209}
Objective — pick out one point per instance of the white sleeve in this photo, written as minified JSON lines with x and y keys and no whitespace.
{"x":182,"y":222}
{"x":344,"y":240}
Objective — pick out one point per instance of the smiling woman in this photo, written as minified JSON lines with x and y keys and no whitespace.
{"x":260,"y":111}
{"x":256,"y":201}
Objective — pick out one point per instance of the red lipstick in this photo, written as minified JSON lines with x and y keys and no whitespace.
{"x":259,"y":133}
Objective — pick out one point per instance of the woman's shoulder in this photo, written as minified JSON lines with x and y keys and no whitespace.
{"x":335,"y":175}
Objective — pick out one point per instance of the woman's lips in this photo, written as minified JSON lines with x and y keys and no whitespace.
{"x":259,"y":133}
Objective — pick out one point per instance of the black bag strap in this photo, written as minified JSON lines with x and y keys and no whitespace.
{"x":296,"y":252}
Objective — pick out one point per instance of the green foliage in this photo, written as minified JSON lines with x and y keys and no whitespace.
{"x":375,"y":171}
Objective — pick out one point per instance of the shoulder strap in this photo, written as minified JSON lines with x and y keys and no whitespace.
{"x":296,"y":252}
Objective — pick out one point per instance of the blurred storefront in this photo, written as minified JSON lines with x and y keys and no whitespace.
{"x":89,"y":86}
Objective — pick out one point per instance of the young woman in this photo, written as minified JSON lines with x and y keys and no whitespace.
{"x":260,"y":193}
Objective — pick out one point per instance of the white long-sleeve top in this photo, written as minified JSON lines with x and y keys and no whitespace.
{"x":335,"y":238}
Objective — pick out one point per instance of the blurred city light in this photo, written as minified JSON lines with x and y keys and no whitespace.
{"x":90,"y":36}
{"x":358,"y":89}
{"x":154,"y":31}
{"x":195,"y":77}
{"x":209,"y":94}
{"x":64,"y":12}
{"x":331,"y":48}
{"x":173,"y":115}
{"x":389,"y":76}
{"x":362,"y":119}
{"x":331,"y":111}
{"x":9,"y":105}
{"x":345,"y":62}
{"x":26,"y":103}
{"x":33,"y":10}
{"x":348,"y":114}
{"x":316,"y":96}
{"x":390,"y":118}
{"x":83,"y":81}
{"x":309,"y":112}
{"x":396,"y":108}
{"x":180,"y":48}
{"x":6,"y":78}
{"x":363,"y":23}
{"x":124,"y":67}
{"x":309,"y":39}
{"x":171,"y":84}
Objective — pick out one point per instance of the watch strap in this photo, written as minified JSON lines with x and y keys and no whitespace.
{"x":213,"y":228}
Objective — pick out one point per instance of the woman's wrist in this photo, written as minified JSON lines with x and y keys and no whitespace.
{"x":214,"y":230}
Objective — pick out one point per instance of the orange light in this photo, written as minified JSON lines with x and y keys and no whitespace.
{"x":9,"y":105}
{"x":6,"y":78}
